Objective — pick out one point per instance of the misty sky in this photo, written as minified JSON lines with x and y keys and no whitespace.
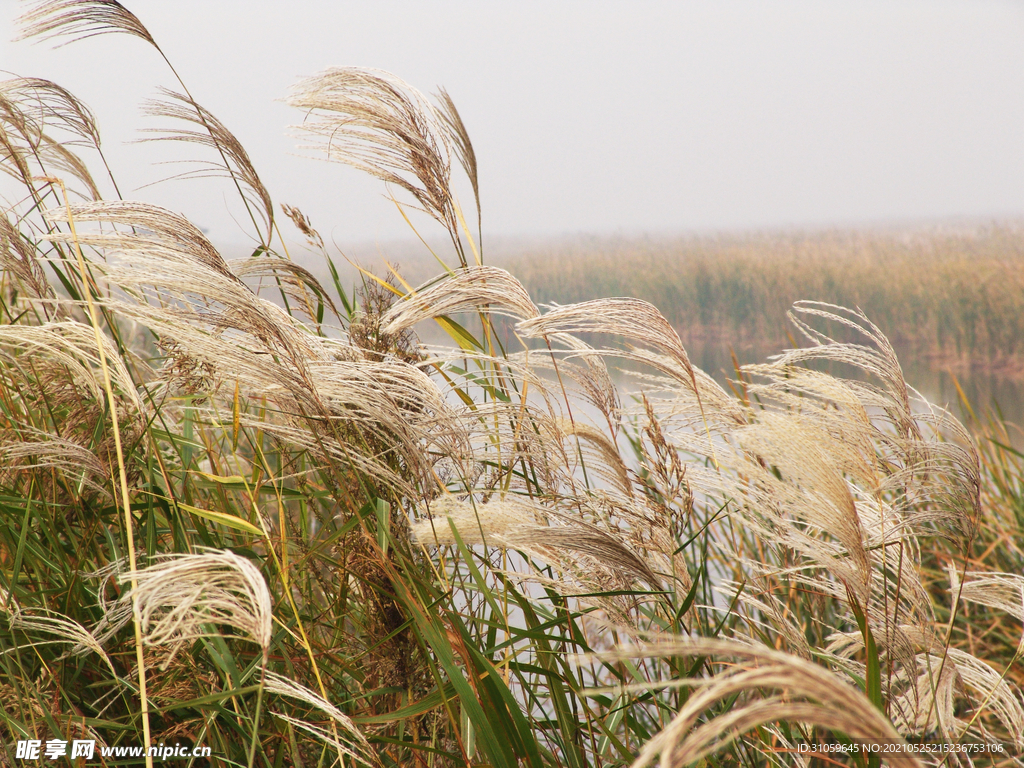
{"x":594,"y":117}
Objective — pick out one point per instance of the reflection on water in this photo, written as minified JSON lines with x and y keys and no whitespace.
{"x":985,"y":390}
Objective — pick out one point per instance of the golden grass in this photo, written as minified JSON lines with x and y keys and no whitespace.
{"x":955,"y":294}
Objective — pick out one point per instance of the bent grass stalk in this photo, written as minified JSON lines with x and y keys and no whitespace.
{"x":101,"y":352}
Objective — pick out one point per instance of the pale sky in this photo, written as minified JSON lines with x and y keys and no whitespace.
{"x":594,"y":117}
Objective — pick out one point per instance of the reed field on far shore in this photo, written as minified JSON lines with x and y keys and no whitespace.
{"x":953,"y":293}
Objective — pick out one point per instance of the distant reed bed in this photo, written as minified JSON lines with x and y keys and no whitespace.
{"x":953,"y":293}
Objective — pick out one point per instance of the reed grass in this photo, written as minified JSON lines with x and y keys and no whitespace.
{"x":354,"y":549}
{"x":951,"y":294}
